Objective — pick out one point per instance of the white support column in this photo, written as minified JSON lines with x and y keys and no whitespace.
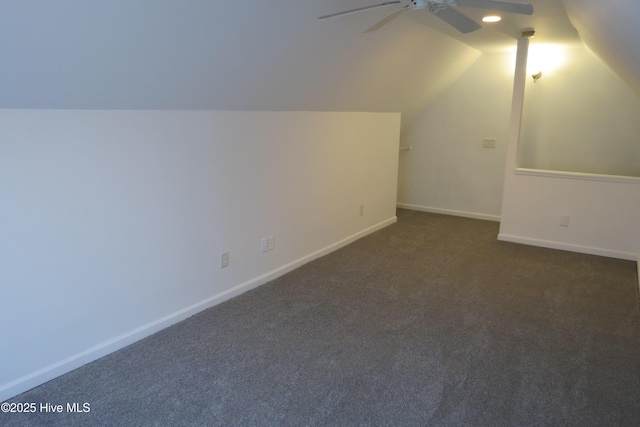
{"x":517,"y":104}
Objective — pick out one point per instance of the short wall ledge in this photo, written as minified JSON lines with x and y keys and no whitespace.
{"x":577,"y":175}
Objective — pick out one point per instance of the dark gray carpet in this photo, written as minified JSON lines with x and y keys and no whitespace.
{"x":429,"y":322}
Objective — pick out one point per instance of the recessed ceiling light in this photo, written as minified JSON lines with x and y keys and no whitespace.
{"x":491,"y":18}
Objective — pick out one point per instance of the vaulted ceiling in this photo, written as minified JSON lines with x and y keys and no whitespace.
{"x":610,"y":29}
{"x":268,"y":55}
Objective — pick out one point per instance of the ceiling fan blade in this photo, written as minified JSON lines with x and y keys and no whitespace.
{"x":360,"y":9}
{"x":451,"y":16}
{"x":503,"y":6}
{"x":386,"y":20}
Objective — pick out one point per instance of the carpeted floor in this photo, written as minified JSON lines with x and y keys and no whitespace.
{"x":429,"y":322}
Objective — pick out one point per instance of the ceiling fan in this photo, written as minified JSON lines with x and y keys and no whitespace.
{"x":443,"y":9}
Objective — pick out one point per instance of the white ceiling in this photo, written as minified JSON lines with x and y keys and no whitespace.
{"x":610,"y":29}
{"x":266,"y":55}
{"x":208,"y":54}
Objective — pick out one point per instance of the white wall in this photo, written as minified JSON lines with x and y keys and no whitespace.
{"x":112,"y":222}
{"x":447,"y":170}
{"x":579,"y":117}
{"x":603,"y":211}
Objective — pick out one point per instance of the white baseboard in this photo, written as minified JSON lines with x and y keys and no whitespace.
{"x":61,"y":367}
{"x":449,"y":212}
{"x":575,"y":248}
{"x":568,"y":247}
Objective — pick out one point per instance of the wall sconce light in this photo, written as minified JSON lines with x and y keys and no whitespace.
{"x":536,"y":76}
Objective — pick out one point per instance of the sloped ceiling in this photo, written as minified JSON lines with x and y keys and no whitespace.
{"x":266,"y":55}
{"x":206,"y":54}
{"x":610,"y":29}
{"x":549,"y":21}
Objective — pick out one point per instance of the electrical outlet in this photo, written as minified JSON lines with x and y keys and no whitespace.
{"x":564,"y":220}
{"x":264,"y":244}
{"x":270,"y":243}
{"x":224,"y":260}
{"x":361,"y":209}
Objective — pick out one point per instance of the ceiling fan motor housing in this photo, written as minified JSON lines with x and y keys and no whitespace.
{"x":432,"y":5}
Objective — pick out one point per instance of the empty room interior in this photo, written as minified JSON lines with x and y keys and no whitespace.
{"x":270,"y":180}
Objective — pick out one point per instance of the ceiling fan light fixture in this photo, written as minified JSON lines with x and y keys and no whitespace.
{"x":491,"y":18}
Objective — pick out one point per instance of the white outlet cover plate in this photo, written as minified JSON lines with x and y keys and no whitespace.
{"x":224,"y":259}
